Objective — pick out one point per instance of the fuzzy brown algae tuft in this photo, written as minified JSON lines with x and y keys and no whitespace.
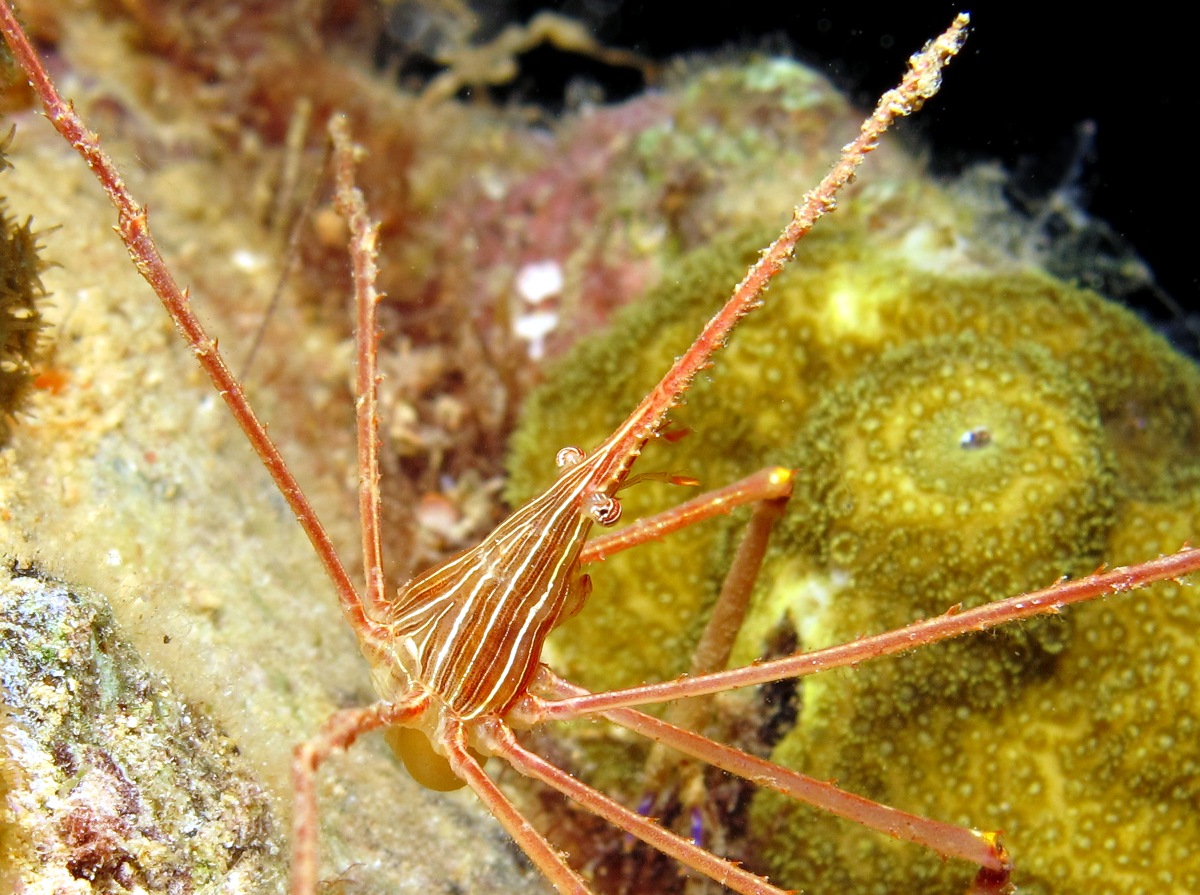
{"x":21,"y":297}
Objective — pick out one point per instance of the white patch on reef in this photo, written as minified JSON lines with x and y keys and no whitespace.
{"x":803,"y":595}
{"x":935,"y":247}
{"x":811,"y":599}
{"x":850,"y":310}
{"x":248,"y":261}
{"x":533,"y":328}
{"x":537,"y":283}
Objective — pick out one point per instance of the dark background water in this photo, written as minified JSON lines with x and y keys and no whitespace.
{"x":1032,"y":77}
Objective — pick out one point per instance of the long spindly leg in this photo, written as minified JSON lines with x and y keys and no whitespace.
{"x":452,"y":738}
{"x":725,"y":619}
{"x":767,"y":491}
{"x":135,"y":233}
{"x":500,"y":739}
{"x":560,"y":700}
{"x":338,"y":732}
{"x":770,"y":483}
{"x":672,"y":782}
{"x":364,"y":251}
{"x":953,"y":623}
{"x":980,"y":848}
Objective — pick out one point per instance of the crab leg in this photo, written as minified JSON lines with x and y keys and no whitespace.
{"x":501,"y":740}
{"x":134,"y":231}
{"x":953,"y":623}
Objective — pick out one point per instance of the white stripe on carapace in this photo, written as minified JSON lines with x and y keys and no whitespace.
{"x":564,"y":497}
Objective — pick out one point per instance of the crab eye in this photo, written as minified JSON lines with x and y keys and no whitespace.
{"x":568,"y":456}
{"x":603,"y":509}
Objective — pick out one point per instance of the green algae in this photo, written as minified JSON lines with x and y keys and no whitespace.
{"x":962,"y":433}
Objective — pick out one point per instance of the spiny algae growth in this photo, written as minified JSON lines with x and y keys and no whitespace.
{"x":21,"y":291}
{"x":964,"y":429}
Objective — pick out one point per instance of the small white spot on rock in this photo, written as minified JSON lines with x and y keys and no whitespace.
{"x":533,"y":328}
{"x":539,"y":280}
{"x":244,"y":259}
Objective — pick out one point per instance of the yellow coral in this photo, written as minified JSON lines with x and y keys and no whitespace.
{"x":961,"y":435}
{"x":950,"y":460}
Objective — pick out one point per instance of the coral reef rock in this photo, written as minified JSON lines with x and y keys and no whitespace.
{"x":111,"y":782}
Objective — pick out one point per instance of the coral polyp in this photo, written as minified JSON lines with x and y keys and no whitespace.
{"x":989,"y":462}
